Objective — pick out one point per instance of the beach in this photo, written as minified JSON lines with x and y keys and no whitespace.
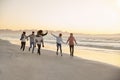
{"x":18,"y":65}
{"x":101,"y":48}
{"x":86,"y":32}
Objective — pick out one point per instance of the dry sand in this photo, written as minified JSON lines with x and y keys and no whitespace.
{"x":18,"y":65}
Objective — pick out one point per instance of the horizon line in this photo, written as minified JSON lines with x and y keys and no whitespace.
{"x":61,"y":31}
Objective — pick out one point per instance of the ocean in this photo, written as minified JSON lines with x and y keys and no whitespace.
{"x":106,"y":43}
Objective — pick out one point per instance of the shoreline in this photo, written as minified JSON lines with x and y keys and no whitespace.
{"x":48,"y":66}
{"x":111,"y":58}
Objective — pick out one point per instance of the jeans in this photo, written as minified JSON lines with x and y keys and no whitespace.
{"x":71,"y":50}
{"x":39,"y":47}
{"x":59,"y":46}
{"x":32,"y":44}
{"x":23,"y":45}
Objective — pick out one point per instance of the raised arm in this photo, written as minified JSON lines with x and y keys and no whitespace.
{"x":53,"y":35}
{"x":45,"y":33}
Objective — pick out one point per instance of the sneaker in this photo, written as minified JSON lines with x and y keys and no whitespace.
{"x":29,"y":49}
{"x":39,"y":53}
{"x":61,"y":54}
{"x":56,"y":53}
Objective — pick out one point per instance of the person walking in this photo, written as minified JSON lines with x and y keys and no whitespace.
{"x":23,"y":40}
{"x":38,"y":41}
{"x":59,"y":42}
{"x":42,"y":34}
{"x":71,"y":41}
{"x":32,"y":41}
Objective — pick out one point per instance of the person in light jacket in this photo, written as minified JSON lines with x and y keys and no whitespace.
{"x":59,"y":42}
{"x":23,"y":40}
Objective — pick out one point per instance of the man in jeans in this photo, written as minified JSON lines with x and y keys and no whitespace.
{"x":32,"y":41}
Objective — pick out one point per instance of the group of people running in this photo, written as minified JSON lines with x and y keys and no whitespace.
{"x":38,"y":40}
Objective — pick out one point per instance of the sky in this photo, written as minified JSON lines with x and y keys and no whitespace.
{"x":81,"y":16}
